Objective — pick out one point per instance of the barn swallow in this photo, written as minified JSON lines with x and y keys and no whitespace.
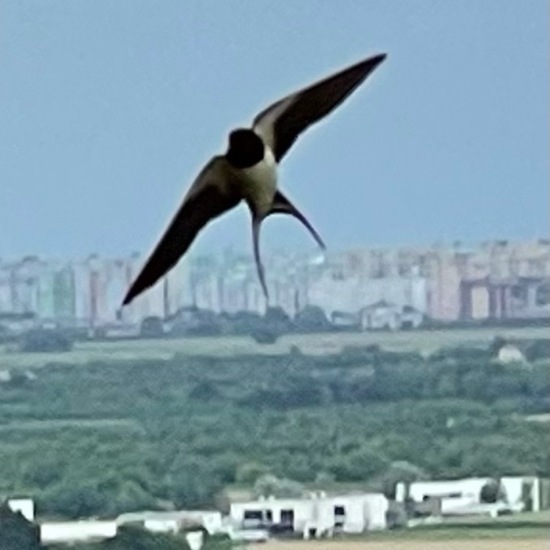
{"x":248,"y":171}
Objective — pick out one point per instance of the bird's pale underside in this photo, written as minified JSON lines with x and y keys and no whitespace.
{"x":248,"y":171}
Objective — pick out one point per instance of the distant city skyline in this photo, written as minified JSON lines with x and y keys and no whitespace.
{"x":108,"y":109}
{"x":495,"y":280}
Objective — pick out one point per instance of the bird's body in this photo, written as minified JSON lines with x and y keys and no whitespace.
{"x":248,"y":171}
{"x":259,"y":183}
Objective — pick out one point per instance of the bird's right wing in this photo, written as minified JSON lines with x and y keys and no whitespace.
{"x":210,"y":195}
{"x":283,"y":121}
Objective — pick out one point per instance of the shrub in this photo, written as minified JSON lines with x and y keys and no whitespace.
{"x":492,"y":492}
{"x":151,"y":327}
{"x":264,"y":335}
{"x":45,"y":340}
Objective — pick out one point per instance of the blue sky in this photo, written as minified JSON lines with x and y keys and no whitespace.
{"x":109,"y":108}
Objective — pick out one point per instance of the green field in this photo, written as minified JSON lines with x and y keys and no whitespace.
{"x":117,"y":425}
{"x":142,"y":424}
{"x":524,"y":531}
{"x":425,"y":341}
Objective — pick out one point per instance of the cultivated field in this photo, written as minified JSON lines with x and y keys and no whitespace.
{"x":464,"y":544}
{"x":529,"y":531}
{"x":424,"y":341}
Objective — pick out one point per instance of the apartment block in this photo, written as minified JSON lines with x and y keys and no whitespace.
{"x":491,"y":280}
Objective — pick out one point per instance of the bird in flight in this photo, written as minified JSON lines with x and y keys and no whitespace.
{"x":248,"y":171}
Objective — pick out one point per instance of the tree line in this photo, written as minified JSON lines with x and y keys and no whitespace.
{"x":105,"y":438}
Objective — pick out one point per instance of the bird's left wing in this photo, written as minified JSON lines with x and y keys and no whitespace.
{"x":211,"y":194}
{"x":283,"y":121}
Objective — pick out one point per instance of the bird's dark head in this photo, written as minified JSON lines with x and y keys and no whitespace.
{"x":245,"y":149}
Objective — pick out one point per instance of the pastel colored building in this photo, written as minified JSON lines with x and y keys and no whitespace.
{"x":492,"y":280}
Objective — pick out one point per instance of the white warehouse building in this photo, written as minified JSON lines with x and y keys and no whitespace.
{"x":172,"y":522}
{"x":316,"y":516}
{"x":462,"y":495}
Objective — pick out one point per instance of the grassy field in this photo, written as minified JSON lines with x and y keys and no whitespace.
{"x":424,"y":341}
{"x":116,"y":425}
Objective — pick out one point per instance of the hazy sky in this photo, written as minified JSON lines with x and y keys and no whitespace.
{"x":108,"y":108}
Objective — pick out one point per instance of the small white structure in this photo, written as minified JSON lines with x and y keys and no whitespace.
{"x":76,"y":531}
{"x":510,"y":354}
{"x":172,"y":522}
{"x":352,"y":513}
{"x":385,"y":315}
{"x":23,"y":505}
{"x":247,"y":535}
{"x":462,"y":496}
{"x":195,"y":540}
